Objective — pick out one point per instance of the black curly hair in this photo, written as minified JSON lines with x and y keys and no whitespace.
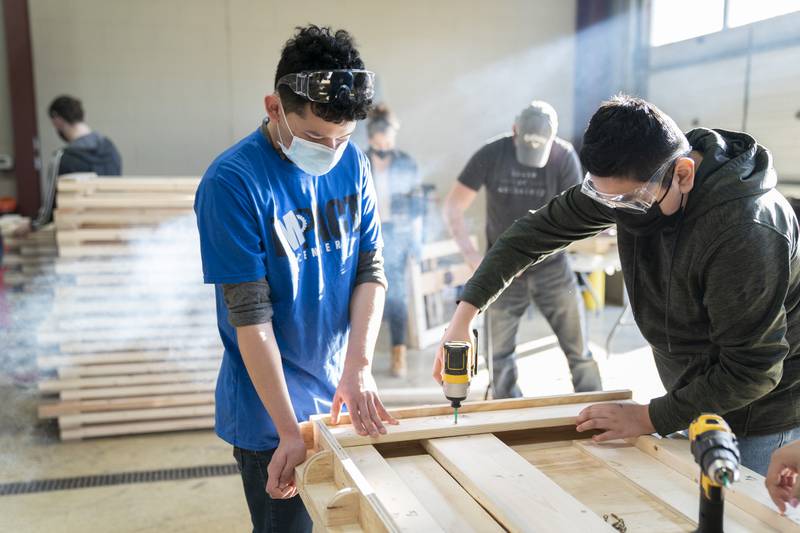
{"x":629,"y":137}
{"x":319,"y":48}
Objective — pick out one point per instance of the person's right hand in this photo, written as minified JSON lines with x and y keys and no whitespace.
{"x":781,"y":478}
{"x":455,"y":332}
{"x":280,"y":471}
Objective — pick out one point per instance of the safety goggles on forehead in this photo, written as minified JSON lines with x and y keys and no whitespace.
{"x":640,"y":199}
{"x":326,"y":86}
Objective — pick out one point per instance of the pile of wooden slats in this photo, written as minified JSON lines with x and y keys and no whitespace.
{"x":130,"y":345}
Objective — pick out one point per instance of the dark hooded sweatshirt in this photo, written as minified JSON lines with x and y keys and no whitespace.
{"x":715,"y":292}
{"x":91,"y":153}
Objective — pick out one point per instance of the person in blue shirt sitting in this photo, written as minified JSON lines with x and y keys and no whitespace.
{"x":290,"y":236}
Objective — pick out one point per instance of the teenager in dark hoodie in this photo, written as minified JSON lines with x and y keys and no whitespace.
{"x":86,"y":151}
{"x":709,"y":255}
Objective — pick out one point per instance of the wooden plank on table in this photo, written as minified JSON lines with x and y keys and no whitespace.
{"x":496,"y":405}
{"x":517,"y":494}
{"x":138,"y":368}
{"x":138,"y":390}
{"x":398,"y":498}
{"x":665,"y":483}
{"x":57,"y":385}
{"x":133,"y":428}
{"x":55,"y":361}
{"x":429,"y":427}
{"x":748,"y":493}
{"x":56,"y":409}
{"x":134,"y":415}
{"x":450,"y":505}
{"x":142,"y":344}
{"x":602,"y":489}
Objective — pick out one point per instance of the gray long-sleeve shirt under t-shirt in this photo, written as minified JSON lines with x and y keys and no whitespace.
{"x":249,"y":303}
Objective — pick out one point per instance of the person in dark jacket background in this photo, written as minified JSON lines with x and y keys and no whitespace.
{"x":86,"y":150}
{"x":398,"y":188}
{"x":709,"y":252}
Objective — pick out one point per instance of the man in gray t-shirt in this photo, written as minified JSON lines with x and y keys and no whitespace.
{"x":522,"y":172}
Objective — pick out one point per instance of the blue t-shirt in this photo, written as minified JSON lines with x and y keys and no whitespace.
{"x":261,"y":216}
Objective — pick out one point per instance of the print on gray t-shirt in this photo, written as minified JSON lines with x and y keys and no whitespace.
{"x":514,"y":189}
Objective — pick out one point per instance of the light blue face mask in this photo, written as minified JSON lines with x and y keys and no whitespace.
{"x":312,"y":158}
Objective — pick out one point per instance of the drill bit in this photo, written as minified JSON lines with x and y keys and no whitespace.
{"x":455,"y":415}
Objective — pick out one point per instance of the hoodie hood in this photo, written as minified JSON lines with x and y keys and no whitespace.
{"x":91,"y":153}
{"x":734,"y":166}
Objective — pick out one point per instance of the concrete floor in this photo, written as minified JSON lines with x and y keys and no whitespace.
{"x":29,"y":449}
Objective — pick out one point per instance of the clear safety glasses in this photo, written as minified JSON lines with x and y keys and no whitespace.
{"x":640,"y":199}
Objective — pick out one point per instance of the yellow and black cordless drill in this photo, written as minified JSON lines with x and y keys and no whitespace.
{"x":460,"y":366}
{"x":716,"y":450}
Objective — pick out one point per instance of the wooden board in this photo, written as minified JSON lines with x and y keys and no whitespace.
{"x":748,"y":493}
{"x":437,"y":490}
{"x":76,"y":359}
{"x":515,"y":492}
{"x":665,"y":483}
{"x":428,"y":427}
{"x":520,"y":474}
{"x":602,"y":489}
{"x":56,"y":409}
{"x":406,"y":510}
{"x":57,"y":385}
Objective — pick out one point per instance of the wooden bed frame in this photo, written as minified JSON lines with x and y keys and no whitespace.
{"x":513,"y":465}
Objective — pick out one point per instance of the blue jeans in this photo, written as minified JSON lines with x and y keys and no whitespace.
{"x":268,"y":515}
{"x":552,"y":287}
{"x":400,"y":244}
{"x":756,"y":451}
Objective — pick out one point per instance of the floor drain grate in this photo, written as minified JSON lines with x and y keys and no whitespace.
{"x":120,"y":478}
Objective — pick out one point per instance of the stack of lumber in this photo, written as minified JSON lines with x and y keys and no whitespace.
{"x":27,"y":260}
{"x":130,"y":344}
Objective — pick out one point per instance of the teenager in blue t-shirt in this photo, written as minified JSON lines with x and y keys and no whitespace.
{"x":290,"y":236}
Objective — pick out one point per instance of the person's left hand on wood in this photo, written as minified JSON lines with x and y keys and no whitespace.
{"x":358,"y":391}
{"x":615,"y":420}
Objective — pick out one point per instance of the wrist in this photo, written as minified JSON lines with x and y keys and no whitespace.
{"x":356,"y":363}
{"x":464,"y":315}
{"x":289,"y":431}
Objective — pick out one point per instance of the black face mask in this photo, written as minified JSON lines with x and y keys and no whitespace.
{"x":652,"y":221}
{"x":382,"y":154}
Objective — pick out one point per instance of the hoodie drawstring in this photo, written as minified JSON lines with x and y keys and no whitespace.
{"x":669,"y":275}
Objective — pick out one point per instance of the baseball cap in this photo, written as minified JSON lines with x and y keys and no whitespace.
{"x":536,"y":128}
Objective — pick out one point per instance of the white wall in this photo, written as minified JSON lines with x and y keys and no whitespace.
{"x":705,"y":82}
{"x":174,"y":82}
